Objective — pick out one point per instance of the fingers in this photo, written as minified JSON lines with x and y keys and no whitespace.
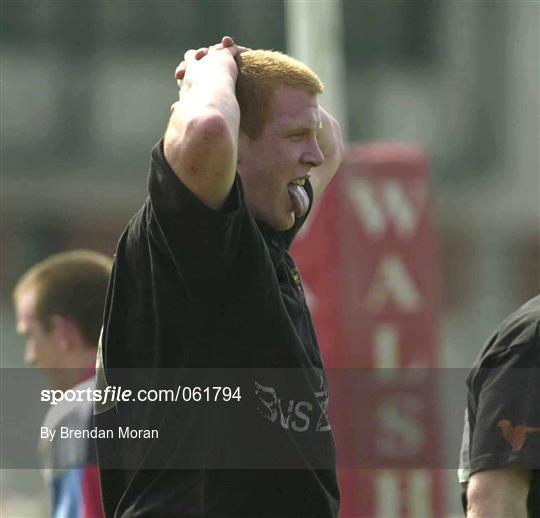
{"x":199,"y":54}
{"x":190,"y":54}
{"x":227,"y":42}
{"x":180,"y":71}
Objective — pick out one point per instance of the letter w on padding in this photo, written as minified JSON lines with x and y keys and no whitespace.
{"x":377,"y":203}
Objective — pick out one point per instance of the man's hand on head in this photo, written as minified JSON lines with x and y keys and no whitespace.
{"x":227,"y":43}
{"x":215,"y":55}
{"x":201,"y":140}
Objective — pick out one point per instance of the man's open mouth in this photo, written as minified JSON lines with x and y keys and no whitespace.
{"x":299,"y":197}
{"x":299,"y":181}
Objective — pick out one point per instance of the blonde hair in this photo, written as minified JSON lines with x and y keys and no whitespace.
{"x":260,"y":73}
{"x":72,"y":284}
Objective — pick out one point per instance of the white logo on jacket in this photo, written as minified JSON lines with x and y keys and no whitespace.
{"x":299,"y":416}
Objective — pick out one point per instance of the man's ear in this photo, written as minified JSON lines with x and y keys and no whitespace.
{"x":63,"y":329}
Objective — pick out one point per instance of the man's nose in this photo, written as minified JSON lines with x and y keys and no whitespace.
{"x":314,"y":155}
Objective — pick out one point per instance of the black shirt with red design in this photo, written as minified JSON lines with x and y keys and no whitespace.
{"x":502,"y":419}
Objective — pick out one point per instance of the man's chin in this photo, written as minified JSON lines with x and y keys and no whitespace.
{"x":280,"y":223}
{"x":284,"y":223}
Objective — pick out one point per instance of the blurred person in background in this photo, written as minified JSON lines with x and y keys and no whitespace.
{"x":59,"y":307}
{"x":500,"y":452}
{"x":203,"y":278}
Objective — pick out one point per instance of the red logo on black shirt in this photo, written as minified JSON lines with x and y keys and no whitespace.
{"x":515,"y":435}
